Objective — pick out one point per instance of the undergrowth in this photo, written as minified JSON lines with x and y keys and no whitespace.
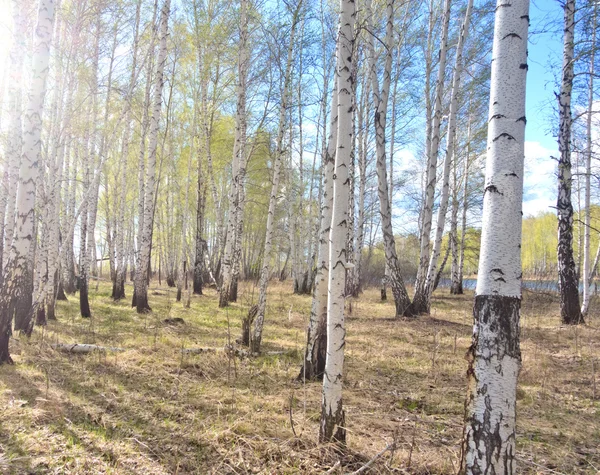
{"x":155,"y":408}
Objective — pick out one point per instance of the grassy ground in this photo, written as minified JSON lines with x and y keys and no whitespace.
{"x":153,"y":409}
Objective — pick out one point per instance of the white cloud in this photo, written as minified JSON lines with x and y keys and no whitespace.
{"x":539,"y":193}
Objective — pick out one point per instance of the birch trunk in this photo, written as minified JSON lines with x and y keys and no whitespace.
{"x":448,"y":159}
{"x":332,"y":427}
{"x":362,"y":186}
{"x":141,"y":279}
{"x":380,"y":101}
{"x":570,"y":310}
{"x":419,"y":304}
{"x":121,"y":253}
{"x":200,"y":242}
{"x":15,"y":135}
{"x":256,"y":337}
{"x":454,"y":284}
{"x":494,"y":355}
{"x":316,"y":339}
{"x":15,"y":293}
{"x":587,"y":290}
{"x":234,"y":219}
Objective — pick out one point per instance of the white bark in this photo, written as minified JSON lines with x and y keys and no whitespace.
{"x":588,"y":175}
{"x":234,"y":218}
{"x":15,"y":137}
{"x":495,"y":359}
{"x":332,"y":425}
{"x":449,"y":157}
{"x":141,"y":290}
{"x":567,"y":270}
{"x":16,"y":285}
{"x":419,"y":301}
{"x":314,"y":360}
{"x":380,"y":100}
{"x":256,"y":336}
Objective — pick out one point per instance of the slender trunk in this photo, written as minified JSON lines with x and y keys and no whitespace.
{"x":232,"y":251}
{"x":333,"y":426}
{"x":256,"y":336}
{"x":380,"y":100}
{"x":142,"y":272}
{"x":316,"y":339}
{"x":588,"y":175}
{"x":570,"y":309}
{"x":420,"y":297}
{"x":494,"y":355}
{"x":454,"y":281}
{"x":449,"y":158}
{"x":362,"y":186}
{"x":15,"y":292}
{"x":14,"y":137}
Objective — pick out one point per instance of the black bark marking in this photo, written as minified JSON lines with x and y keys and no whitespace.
{"x":497,"y":116}
{"x":522,"y":119}
{"x":511,"y":174}
{"x":492,"y":189}
{"x":504,"y":134}
{"x":512,"y":35}
{"x":524,"y":66}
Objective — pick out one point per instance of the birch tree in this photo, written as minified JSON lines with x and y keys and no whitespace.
{"x":333,"y":426}
{"x":570,"y":310}
{"x":588,"y":173}
{"x":19,"y":268}
{"x":256,"y":336}
{"x":234,"y":220}
{"x":316,"y":338}
{"x":419,"y":304}
{"x":494,"y":355}
{"x":141,"y":277}
{"x":380,"y":101}
{"x":449,"y":158}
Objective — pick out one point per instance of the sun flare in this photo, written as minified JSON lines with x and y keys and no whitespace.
{"x":5,"y":32}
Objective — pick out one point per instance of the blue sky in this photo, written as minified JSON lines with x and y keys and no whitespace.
{"x":545,"y":52}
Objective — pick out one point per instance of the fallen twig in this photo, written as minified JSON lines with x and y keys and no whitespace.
{"x":83,"y":348}
{"x":391,"y":446}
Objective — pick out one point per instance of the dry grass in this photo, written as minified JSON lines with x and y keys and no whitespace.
{"x":155,"y":410}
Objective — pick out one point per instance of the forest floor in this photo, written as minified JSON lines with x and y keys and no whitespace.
{"x":154,"y":409}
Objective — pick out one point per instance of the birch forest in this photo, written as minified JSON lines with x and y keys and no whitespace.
{"x":299,"y":236}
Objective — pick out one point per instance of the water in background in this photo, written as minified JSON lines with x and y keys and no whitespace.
{"x":535,"y":285}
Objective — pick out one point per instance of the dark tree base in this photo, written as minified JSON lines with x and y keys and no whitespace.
{"x":40,"y":316}
{"x":118,"y":291}
{"x":84,"y":302}
{"x":198,"y":286}
{"x":313,"y":370}
{"x":142,"y":305}
{"x":4,"y":353}
{"x":247,"y":324}
{"x":224,"y":298}
{"x":233,"y":290}
{"x":456,"y":289}
{"x":333,"y":426}
{"x":497,"y":320}
{"x":51,"y":311}
{"x":60,"y":292}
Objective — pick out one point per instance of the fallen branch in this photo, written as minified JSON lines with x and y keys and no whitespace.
{"x":391,"y":446}
{"x":333,"y":469}
{"x":83,"y":348}
{"x":230,"y":350}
